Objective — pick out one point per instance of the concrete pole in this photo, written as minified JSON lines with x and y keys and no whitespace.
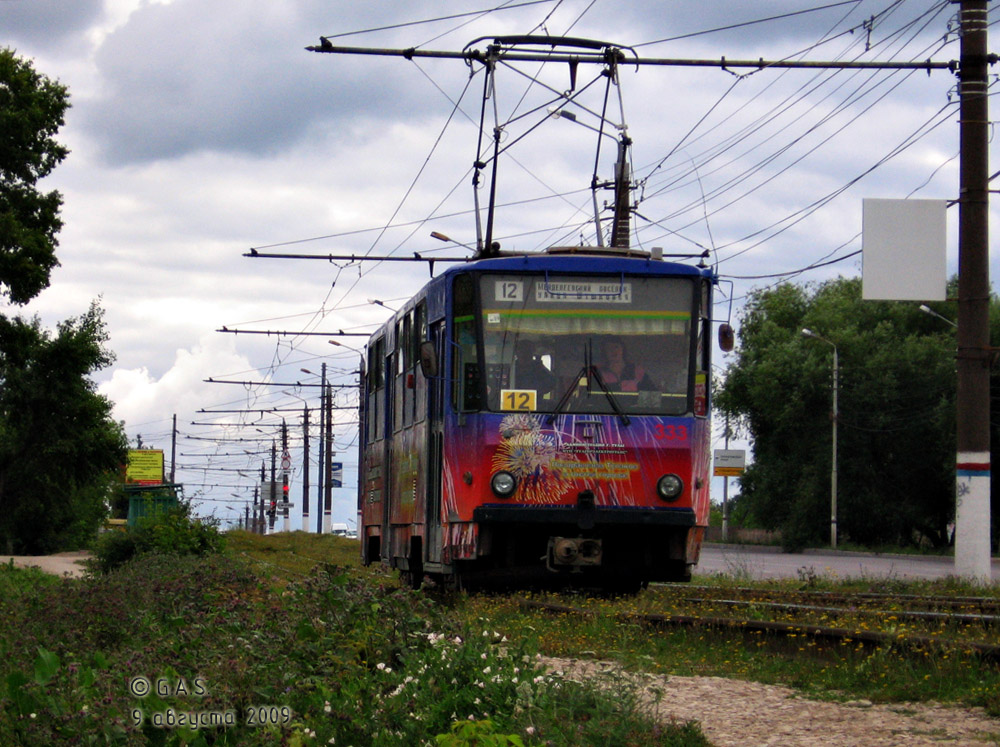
{"x":972,"y":474}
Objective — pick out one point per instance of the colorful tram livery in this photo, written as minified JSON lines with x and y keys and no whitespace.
{"x":538,"y":419}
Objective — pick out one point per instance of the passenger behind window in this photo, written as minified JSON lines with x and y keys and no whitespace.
{"x":529,"y":370}
{"x":618,"y":372}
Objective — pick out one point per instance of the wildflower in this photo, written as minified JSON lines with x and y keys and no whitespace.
{"x":327,"y":707}
{"x":530,"y":731}
{"x":487,"y":670}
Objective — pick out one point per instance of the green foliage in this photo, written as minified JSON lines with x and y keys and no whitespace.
{"x":896,"y":424}
{"x":31,"y":111}
{"x":476,"y":734}
{"x":174,"y":532}
{"x":342,"y":658}
{"x":60,"y":449}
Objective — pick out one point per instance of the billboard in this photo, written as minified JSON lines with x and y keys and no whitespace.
{"x":145,"y":467}
{"x":903,"y":250}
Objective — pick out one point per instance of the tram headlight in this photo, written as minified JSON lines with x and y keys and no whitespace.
{"x":670,"y":487}
{"x":503,"y":484}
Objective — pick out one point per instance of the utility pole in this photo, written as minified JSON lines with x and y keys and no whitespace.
{"x":327,"y":483}
{"x":273,"y":498}
{"x":323,"y":394}
{"x":173,"y":452}
{"x":259,"y":519}
{"x":284,"y":476}
{"x":305,"y":469}
{"x":725,"y":491}
{"x":972,"y":474}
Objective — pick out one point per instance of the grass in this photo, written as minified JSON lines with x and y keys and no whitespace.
{"x":285,"y":639}
{"x":846,"y":671}
{"x":272,"y":643}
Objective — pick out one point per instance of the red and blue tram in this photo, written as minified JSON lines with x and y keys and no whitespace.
{"x":541,"y":419}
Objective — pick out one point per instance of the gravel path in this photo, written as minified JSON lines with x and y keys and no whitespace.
{"x":735,"y":712}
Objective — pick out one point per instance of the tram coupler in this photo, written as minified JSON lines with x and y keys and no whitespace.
{"x":573,"y":552}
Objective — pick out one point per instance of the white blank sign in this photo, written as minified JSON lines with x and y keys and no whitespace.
{"x":903,"y":250}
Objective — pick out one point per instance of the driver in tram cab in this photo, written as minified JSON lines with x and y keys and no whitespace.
{"x":618,"y":372}
{"x":529,"y":371}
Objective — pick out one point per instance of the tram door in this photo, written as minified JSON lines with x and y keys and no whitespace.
{"x":435,"y":449}
{"x":388,"y":484}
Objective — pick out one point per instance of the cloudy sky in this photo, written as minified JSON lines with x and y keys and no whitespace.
{"x":199,"y":130}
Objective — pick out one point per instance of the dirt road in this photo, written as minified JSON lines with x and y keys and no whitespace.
{"x":61,"y":564}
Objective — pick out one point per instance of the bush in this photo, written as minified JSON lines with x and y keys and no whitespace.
{"x":174,"y":532}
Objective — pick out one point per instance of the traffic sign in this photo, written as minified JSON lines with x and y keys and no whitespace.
{"x":730,"y":462}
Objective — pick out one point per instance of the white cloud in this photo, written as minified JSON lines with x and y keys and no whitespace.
{"x":199,"y":131}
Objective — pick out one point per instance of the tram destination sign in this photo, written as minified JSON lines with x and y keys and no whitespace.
{"x":603,"y":291}
{"x":730,"y":462}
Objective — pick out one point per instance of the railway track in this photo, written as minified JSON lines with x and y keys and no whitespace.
{"x":982,"y":604}
{"x":907,"y":623}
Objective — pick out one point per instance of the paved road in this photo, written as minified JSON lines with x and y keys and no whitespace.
{"x":768,"y":562}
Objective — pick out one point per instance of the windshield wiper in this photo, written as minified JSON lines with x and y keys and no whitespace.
{"x":588,"y":371}
{"x":573,"y":384}
{"x":609,"y":394}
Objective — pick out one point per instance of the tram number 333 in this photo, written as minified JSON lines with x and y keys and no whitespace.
{"x":667,"y":432}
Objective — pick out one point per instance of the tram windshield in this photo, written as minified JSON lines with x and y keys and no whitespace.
{"x":572,"y":344}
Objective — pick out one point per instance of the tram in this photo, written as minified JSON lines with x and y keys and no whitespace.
{"x":541,"y":419}
{"x":535,"y":419}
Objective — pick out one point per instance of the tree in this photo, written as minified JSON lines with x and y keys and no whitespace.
{"x":31,"y":112}
{"x":60,"y":450}
{"x":896,"y":480}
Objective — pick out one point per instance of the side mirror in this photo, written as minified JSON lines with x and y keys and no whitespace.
{"x":727,"y":337}
{"x":428,"y":359}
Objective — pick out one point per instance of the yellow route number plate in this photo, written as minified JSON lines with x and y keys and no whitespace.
{"x":519,"y":400}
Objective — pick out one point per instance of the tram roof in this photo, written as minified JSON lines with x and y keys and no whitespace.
{"x":582,"y":260}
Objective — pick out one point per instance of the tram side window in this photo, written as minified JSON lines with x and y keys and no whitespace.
{"x":375,"y":409}
{"x":704,"y":350}
{"x":396,"y":374}
{"x":465,"y":366}
{"x":405,"y":345}
{"x":420,"y":383}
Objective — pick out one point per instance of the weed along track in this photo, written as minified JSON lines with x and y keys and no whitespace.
{"x":866,"y":622}
{"x":932,"y":602}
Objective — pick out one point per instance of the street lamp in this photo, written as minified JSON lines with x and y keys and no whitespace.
{"x":833,"y":467}
{"x":928,"y":310}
